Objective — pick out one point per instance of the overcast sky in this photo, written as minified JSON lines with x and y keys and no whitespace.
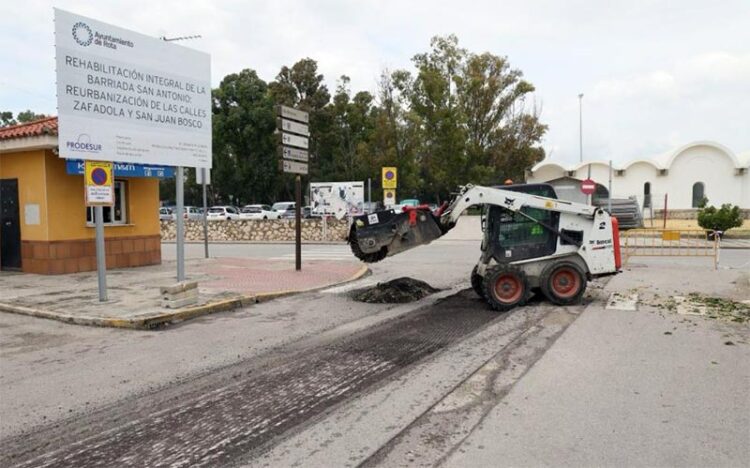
{"x":654,"y":74}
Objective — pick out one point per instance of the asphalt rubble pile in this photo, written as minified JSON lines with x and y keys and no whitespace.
{"x":397,"y":291}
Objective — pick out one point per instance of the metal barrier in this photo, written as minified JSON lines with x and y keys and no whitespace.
{"x":669,"y":243}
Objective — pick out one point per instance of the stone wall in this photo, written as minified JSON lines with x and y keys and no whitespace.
{"x":268,"y":230}
{"x":685,"y":214}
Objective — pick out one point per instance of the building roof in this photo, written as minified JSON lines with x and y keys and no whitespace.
{"x":661,"y":161}
{"x":46,"y":126}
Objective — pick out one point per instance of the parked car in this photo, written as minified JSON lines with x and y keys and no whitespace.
{"x":258,"y":212}
{"x":223,"y":212}
{"x":285,"y":209}
{"x":165,"y":214}
{"x":192,"y":212}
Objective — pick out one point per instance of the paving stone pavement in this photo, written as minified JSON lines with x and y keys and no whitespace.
{"x":134,"y":299}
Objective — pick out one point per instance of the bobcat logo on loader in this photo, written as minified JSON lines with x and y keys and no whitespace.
{"x":509,"y":201}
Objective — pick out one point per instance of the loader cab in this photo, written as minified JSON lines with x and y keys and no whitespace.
{"x":510,"y":237}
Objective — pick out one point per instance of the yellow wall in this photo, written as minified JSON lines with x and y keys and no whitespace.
{"x":28,"y":168}
{"x":68,"y":214}
{"x":42,"y":180}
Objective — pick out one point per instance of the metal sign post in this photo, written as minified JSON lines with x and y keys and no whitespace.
{"x":609,"y":198}
{"x":99,"y":192}
{"x":298,"y":223}
{"x":179,"y":223}
{"x":101,"y":259}
{"x":369,"y":195}
{"x":294,"y":158}
{"x":204,"y":180}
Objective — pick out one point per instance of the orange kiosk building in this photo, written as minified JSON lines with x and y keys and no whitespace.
{"x":45,"y":226}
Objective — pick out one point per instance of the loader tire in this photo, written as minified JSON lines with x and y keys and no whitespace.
{"x":563,"y":283}
{"x":477,"y":283}
{"x":505,"y":287}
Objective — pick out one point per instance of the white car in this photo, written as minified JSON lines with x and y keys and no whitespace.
{"x":258,"y":212}
{"x":284,"y":209}
{"x":192,"y":212}
{"x":223,"y":212}
{"x":165,"y":214}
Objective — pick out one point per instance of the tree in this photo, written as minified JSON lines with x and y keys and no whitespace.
{"x":302,"y":86}
{"x":6,"y":118}
{"x":469,"y":110}
{"x":722,"y":219}
{"x":245,"y":161}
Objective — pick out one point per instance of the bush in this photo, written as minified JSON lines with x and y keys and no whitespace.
{"x":723,"y":219}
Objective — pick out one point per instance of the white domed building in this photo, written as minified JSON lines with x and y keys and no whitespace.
{"x":681,"y":177}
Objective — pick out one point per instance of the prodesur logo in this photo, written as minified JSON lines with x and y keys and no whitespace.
{"x":83,"y":143}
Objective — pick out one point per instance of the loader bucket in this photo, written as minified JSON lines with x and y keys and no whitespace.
{"x":384,"y":233}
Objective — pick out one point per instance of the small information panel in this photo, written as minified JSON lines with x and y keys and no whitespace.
{"x":100,"y":188}
{"x":390,"y":177}
{"x":389,"y":197}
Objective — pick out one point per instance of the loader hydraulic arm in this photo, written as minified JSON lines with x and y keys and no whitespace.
{"x":375,"y":236}
{"x":471,"y":195}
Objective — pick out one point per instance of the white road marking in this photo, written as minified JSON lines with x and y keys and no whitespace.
{"x":618,"y":301}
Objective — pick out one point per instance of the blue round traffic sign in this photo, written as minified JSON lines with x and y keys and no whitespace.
{"x":99,"y":176}
{"x":389,"y":175}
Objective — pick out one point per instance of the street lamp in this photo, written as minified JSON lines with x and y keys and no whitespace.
{"x":580,"y":126}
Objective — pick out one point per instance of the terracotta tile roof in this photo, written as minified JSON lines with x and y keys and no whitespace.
{"x":46,"y":126}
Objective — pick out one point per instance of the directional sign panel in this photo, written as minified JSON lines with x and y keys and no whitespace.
{"x":292,"y":167}
{"x":292,"y":127}
{"x":99,"y":183}
{"x":295,"y":154}
{"x":293,"y":114}
{"x":294,"y":140}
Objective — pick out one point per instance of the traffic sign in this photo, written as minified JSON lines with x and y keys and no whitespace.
{"x":99,"y":183}
{"x":199,"y":171}
{"x":295,"y":154}
{"x":389,"y":197}
{"x":588,"y":186}
{"x":289,"y":139}
{"x":293,"y":114}
{"x":293,"y":167}
{"x":292,"y":126}
{"x":390,"y":178}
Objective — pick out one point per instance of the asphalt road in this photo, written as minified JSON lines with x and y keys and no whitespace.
{"x":301,"y":380}
{"x":225,"y":415}
{"x":50,"y":371}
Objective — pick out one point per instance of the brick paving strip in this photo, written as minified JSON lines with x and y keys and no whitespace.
{"x":134,"y":297}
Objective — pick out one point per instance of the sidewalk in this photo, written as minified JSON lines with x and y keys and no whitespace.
{"x":135,"y":299}
{"x":656,"y":386}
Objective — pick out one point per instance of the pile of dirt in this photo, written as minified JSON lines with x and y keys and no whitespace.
{"x":398,"y":291}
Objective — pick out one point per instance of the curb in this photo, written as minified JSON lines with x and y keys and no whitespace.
{"x":153,"y":321}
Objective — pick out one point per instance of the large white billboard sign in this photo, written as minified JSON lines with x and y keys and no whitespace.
{"x":123,"y":96}
{"x":337,"y":198}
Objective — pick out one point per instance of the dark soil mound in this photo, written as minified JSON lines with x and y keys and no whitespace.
{"x":396,"y":291}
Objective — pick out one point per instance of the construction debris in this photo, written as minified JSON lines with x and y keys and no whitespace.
{"x":397,"y":291}
{"x":179,"y":295}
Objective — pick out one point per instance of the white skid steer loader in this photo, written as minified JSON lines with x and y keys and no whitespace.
{"x":531,"y":241}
